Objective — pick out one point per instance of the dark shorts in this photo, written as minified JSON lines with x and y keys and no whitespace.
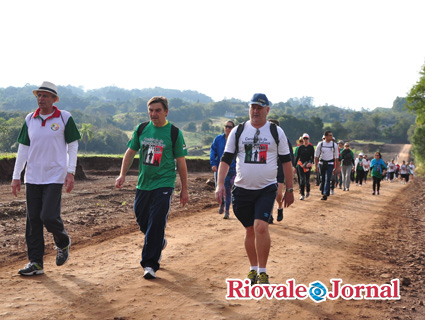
{"x":249,"y":205}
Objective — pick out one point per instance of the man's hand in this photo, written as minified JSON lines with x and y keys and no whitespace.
{"x":184,"y":197}
{"x":69,"y":182}
{"x":119,"y":182}
{"x":288,"y":199}
{"x":220,"y":192}
{"x":16,"y":186}
{"x":214,"y":168}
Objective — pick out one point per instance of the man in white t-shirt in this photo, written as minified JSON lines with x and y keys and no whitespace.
{"x":327,"y":154}
{"x":255,"y":184}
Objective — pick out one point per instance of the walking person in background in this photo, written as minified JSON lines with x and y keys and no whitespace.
{"x":304,"y":159}
{"x":327,"y":155}
{"x":359,"y":167}
{"x":366,"y":167}
{"x":411,"y":170}
{"x":216,"y":152}
{"x":255,"y":187}
{"x":391,"y":170}
{"x":404,"y":172}
{"x":378,"y":168}
{"x":347,"y":164}
{"x":48,"y":145}
{"x":157,"y":177}
{"x":339,"y":173}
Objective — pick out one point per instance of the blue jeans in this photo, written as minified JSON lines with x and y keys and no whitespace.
{"x":228,"y":184}
{"x":326,"y":174}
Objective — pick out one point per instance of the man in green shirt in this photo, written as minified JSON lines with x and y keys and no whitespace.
{"x":156,"y":181}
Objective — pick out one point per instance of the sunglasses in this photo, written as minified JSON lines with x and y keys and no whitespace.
{"x":305,"y":138}
{"x":229,"y":127}
{"x":256,"y":136}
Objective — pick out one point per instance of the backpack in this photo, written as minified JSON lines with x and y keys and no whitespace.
{"x":174,"y":132}
{"x":273,"y":131}
{"x":346,"y":157}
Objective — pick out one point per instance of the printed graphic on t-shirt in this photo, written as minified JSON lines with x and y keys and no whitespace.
{"x":152,"y":151}
{"x":256,"y":153}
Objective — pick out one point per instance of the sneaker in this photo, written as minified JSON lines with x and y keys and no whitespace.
{"x":263,"y":278}
{"x":302,"y":197}
{"x":226,"y":215}
{"x":348,"y":189}
{"x":271,"y":219}
{"x":344,"y":189}
{"x":378,"y":193}
{"x":149,"y":273}
{"x":373,"y":193}
{"x":307,"y":194}
{"x":280,"y":214}
{"x":324,"y":197}
{"x":62,"y":255}
{"x":252,"y":276}
{"x":221,"y":210}
{"x":31,"y":269}
{"x":332,"y":192}
{"x":357,"y":184}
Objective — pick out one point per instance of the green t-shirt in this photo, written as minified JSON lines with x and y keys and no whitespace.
{"x":156,"y":163}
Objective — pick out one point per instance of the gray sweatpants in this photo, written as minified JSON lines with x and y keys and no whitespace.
{"x":346,"y":172}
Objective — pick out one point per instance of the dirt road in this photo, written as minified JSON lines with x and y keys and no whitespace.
{"x":354,"y":236}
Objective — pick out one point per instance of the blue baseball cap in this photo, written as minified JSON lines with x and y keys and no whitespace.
{"x":260,"y":99}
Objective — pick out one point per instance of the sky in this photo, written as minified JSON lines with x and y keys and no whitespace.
{"x":351,"y":54}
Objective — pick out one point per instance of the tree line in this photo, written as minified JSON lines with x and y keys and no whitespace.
{"x":107,"y":116}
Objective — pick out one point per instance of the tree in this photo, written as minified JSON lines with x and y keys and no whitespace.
{"x":86,"y":134}
{"x":416,"y":103}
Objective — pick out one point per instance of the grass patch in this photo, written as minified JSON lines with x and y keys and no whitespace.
{"x":8,"y":155}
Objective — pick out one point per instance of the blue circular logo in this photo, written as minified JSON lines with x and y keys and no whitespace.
{"x":317,"y":291}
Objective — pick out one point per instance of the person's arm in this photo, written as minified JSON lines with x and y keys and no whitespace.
{"x":182,"y":169}
{"x":21,"y":160}
{"x":288,"y":197}
{"x":72,"y":164}
{"x":126,"y":164}
{"x":220,"y":190}
{"x":213,"y":156}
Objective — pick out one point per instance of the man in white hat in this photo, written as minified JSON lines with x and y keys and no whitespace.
{"x":47,"y":139}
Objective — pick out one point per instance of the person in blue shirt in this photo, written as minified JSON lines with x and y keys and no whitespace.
{"x":377,"y":169}
{"x":217,"y":149}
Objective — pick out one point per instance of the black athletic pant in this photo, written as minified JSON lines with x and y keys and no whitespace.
{"x":43,"y":209}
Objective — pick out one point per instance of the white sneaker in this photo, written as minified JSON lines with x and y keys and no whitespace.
{"x":149,"y":273}
{"x":302,"y":198}
{"x":332,"y":192}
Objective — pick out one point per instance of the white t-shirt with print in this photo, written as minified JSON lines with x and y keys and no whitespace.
{"x":256,"y":163}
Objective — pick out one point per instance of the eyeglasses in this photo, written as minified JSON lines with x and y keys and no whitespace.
{"x":256,"y":136}
{"x":228,"y":127}
{"x":347,"y":146}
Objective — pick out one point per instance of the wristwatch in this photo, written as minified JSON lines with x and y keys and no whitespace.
{"x":290,"y":190}
{"x":73,"y":173}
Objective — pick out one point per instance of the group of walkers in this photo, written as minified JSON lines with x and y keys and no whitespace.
{"x":253,"y":166}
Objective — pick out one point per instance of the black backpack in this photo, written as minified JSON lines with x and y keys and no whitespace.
{"x":347,"y":159}
{"x":273,"y":131}
{"x":174,"y":132}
